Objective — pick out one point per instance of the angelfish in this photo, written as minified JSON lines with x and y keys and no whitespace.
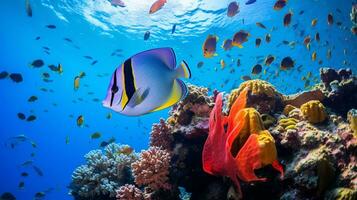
{"x":147,"y":82}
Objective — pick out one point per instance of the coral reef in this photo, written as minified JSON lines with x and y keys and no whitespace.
{"x":129,"y":192}
{"x":262,"y":96}
{"x":103,"y":173}
{"x":196,"y":104}
{"x":342,"y":194}
{"x":313,"y":111}
{"x":161,"y":135}
{"x":152,"y":169}
{"x":339,"y":88}
{"x":352,"y":119}
{"x":319,"y":159}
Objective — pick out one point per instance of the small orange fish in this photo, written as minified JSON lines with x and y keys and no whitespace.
{"x":287,"y":63}
{"x":157,"y":5}
{"x":239,"y":38}
{"x":280,"y":4}
{"x":307,"y":40}
{"x":257,"y":69}
{"x":209,"y":46}
{"x":287,"y":18}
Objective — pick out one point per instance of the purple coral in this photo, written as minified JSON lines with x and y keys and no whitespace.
{"x":129,"y":192}
{"x":161,"y":135}
{"x":152,"y":169}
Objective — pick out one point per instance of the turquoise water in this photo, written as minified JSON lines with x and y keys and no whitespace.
{"x":97,"y":29}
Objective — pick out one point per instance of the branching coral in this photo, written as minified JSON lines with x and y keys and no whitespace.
{"x":152,"y":169}
{"x":262,"y":96}
{"x":314,"y":111}
{"x":129,"y":192}
{"x":161,"y":135}
{"x":103,"y":173}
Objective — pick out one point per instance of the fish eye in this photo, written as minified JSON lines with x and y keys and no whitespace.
{"x":114,"y":89}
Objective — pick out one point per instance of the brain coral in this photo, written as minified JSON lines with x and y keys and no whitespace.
{"x":262,"y":96}
{"x":314,"y":111}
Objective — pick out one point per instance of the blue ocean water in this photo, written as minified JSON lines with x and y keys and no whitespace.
{"x":97,"y":29}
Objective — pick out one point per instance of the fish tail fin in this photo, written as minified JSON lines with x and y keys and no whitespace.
{"x":183,"y":70}
{"x":178,"y":93}
{"x":240,"y":46}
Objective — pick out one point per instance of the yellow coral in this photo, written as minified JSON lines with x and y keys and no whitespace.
{"x":352,"y":119}
{"x":256,"y":87}
{"x":267,"y":148}
{"x":288,"y":123}
{"x":313,"y":111}
{"x":287,"y":109}
{"x":253,"y":124}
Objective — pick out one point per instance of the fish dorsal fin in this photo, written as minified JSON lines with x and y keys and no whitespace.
{"x":178,"y":92}
{"x":138,"y":97}
{"x":183,"y":71}
{"x":166,"y":55}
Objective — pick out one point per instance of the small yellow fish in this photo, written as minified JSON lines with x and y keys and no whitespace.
{"x":313,"y":56}
{"x":223,"y":64}
{"x":60,"y":69}
{"x":314,"y":22}
{"x":80,"y":120}
{"x":96,"y":135}
{"x":76,"y":82}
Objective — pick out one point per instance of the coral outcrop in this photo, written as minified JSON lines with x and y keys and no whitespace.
{"x":103,"y":173}
{"x":129,"y":192}
{"x":339,"y":88}
{"x":152,"y":169}
{"x":313,"y":111}
{"x":261,"y":95}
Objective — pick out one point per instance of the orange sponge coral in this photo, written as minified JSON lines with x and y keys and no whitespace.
{"x":314,"y":111}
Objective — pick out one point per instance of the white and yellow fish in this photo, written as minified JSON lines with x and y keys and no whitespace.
{"x":147,"y":82}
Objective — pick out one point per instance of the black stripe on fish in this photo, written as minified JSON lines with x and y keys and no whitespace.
{"x":114,"y":88}
{"x":129,"y":80}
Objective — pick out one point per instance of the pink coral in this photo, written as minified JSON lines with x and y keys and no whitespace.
{"x":161,"y":135}
{"x":152,"y":169}
{"x":129,"y":192}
